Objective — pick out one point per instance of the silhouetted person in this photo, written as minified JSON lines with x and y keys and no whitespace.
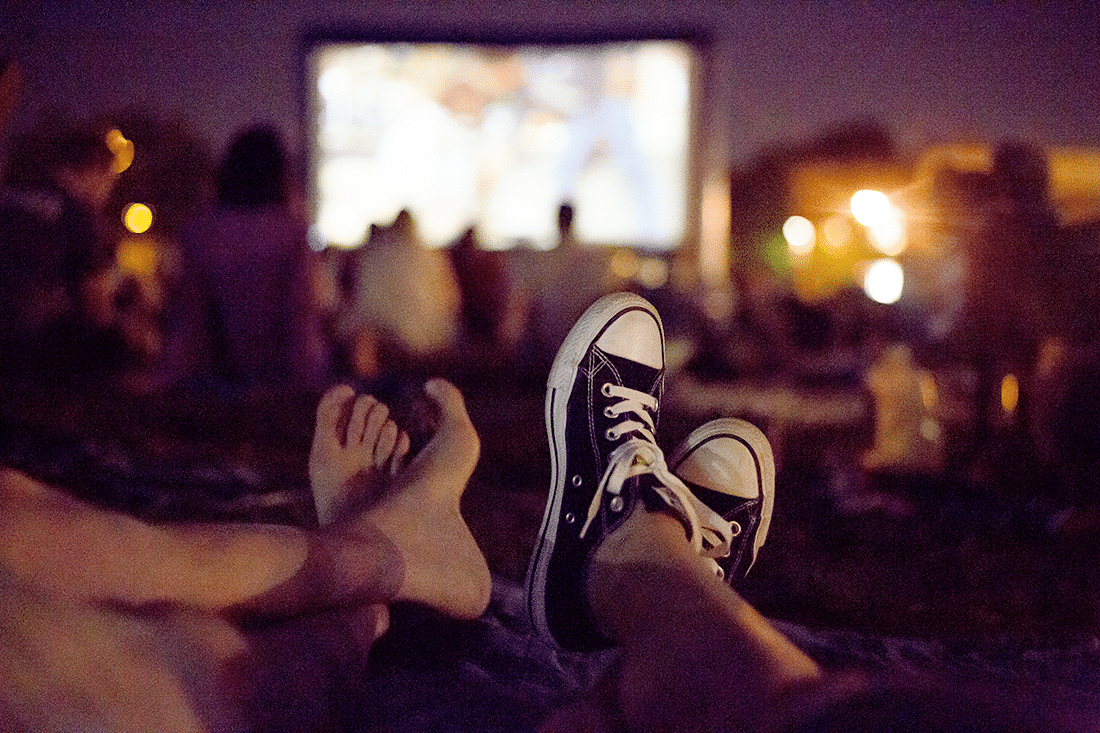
{"x":571,"y":277}
{"x":492,"y":311}
{"x":406,"y":303}
{"x":55,"y":261}
{"x":1020,"y":300}
{"x":1059,"y":396}
{"x":247,"y":314}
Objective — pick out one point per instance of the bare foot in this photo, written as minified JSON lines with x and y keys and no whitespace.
{"x":356,"y":452}
{"x":444,"y":567}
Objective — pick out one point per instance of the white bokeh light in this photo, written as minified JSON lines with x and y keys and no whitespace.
{"x":884,"y":281}
{"x":800,"y":234}
{"x":870,"y":208}
{"x":888,"y":235}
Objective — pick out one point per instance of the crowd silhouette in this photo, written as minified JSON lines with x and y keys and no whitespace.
{"x":248,"y":306}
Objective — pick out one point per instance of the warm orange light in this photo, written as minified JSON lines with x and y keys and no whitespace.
{"x":929,"y":394}
{"x":714,"y":230}
{"x":870,"y":208}
{"x":137,"y":256}
{"x":624,"y":264}
{"x":138,"y":218}
{"x":122,"y":148}
{"x":837,"y":232}
{"x":1010,"y":393}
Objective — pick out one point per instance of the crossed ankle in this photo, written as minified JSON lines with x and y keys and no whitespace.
{"x":363,"y":562}
{"x":656,"y":504}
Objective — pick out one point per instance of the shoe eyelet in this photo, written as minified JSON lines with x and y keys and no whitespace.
{"x":735,"y":528}
{"x":616,"y":504}
{"x":577,"y":480}
{"x":610,"y":434}
{"x":608,"y":412}
{"x":570,"y":518}
{"x":605,"y":390}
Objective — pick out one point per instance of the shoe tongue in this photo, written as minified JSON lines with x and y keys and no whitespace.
{"x":723,"y":504}
{"x":636,"y":375}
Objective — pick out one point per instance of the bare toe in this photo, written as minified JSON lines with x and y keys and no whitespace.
{"x":445,"y":568}
{"x":384,"y":445}
{"x":400,"y":450}
{"x":331,"y":411}
{"x":326,"y":464}
{"x":355,"y":452}
{"x":359,"y":423}
{"x":376,"y":421}
{"x":455,"y":443}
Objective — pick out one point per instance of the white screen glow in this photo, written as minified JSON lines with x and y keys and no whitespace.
{"x":498,"y":137}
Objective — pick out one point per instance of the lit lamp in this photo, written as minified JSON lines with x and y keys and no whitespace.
{"x":138,"y":218}
{"x":800,"y":234}
{"x":137,"y":255}
{"x":883,"y":281}
{"x":885,"y":222}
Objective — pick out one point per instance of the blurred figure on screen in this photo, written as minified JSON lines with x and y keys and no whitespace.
{"x":247,"y":314}
{"x":405,"y":304}
{"x":592,"y":92}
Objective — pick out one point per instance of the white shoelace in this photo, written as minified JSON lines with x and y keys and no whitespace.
{"x":710,"y":535}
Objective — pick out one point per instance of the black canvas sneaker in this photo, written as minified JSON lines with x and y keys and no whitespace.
{"x":728,"y":465}
{"x":602,"y":403}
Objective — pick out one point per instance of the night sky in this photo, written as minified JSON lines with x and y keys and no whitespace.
{"x":932,"y":72}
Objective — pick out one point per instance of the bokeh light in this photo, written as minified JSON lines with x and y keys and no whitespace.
{"x":870,"y":208}
{"x":800,"y":234}
{"x":137,"y":256}
{"x":652,"y":273}
{"x":1010,"y":393}
{"x":138,"y":218}
{"x":888,"y":235}
{"x":929,"y":392}
{"x":837,"y":232}
{"x":623,"y":263}
{"x":122,"y":148}
{"x":884,"y":281}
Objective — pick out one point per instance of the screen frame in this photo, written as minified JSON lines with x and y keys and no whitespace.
{"x":698,"y":39}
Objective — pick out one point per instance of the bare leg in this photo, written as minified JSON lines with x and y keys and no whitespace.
{"x":696,"y":656}
{"x":356,"y":469}
{"x":95,"y":603}
{"x":411,"y":544}
{"x":76,"y":666}
{"x":396,"y":538}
